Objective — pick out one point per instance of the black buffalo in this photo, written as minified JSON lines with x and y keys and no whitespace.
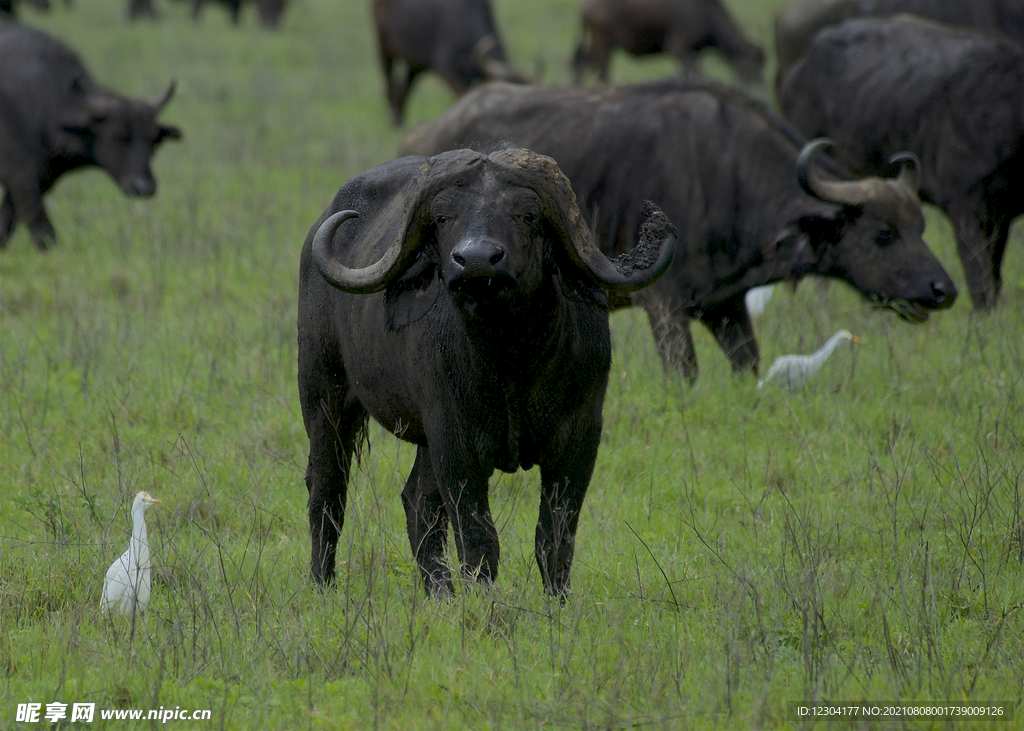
{"x":681,"y":28}
{"x":473,"y":323}
{"x":456,"y":38}
{"x":797,"y":23}
{"x":269,"y":11}
{"x":54,"y":118}
{"x":952,"y":96}
{"x":725,"y":170}
{"x":8,"y":8}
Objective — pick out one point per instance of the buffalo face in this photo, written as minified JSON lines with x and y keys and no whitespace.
{"x":120,"y":135}
{"x":490,"y":246}
{"x":880,"y":249}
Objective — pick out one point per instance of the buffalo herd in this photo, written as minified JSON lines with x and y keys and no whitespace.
{"x":459,"y":295}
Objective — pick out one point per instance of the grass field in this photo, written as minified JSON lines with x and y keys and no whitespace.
{"x":739,"y":550}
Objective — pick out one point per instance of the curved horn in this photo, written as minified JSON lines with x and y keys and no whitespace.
{"x":493,"y":68}
{"x":910,"y":171}
{"x":641,"y":266}
{"x":846,"y":193}
{"x":165,"y":97}
{"x":355,"y":281}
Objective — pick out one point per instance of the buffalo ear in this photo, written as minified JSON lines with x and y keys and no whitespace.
{"x":411,"y":295}
{"x":167,"y":132}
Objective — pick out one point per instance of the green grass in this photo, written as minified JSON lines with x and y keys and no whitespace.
{"x":739,"y":549}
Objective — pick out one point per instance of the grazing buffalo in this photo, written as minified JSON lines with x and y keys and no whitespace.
{"x":269,"y":11}
{"x":456,"y":38}
{"x":681,"y":28}
{"x":797,"y":23}
{"x":952,"y":96}
{"x":460,"y":301}
{"x":8,"y":8}
{"x":725,"y":170}
{"x":54,"y":118}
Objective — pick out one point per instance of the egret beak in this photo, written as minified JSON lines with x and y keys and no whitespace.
{"x":152,"y":500}
{"x":853,"y":339}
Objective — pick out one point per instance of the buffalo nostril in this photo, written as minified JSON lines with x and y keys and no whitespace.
{"x":939,"y":290}
{"x":459,"y":259}
{"x":497,"y":256}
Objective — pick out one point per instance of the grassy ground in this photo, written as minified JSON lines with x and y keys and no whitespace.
{"x":739,"y":549}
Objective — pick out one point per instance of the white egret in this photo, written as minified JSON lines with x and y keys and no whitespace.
{"x":128,"y":581}
{"x":757,"y":299}
{"x":793,"y":371}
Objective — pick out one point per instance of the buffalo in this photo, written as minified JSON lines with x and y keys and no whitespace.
{"x":8,"y":8}
{"x":952,"y":96}
{"x":269,"y":11}
{"x":751,"y":207}
{"x":456,"y":38}
{"x":461,"y":302}
{"x":681,"y":28}
{"x":54,"y":118}
{"x":797,"y":23}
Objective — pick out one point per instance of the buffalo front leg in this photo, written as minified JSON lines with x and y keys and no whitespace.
{"x":333,"y":432}
{"x":981,"y":248}
{"x":563,"y":488}
{"x":427,"y":522}
{"x":671,"y":330}
{"x":7,"y":219}
{"x":26,"y":204}
{"x":465,"y":500}
{"x":731,"y":326}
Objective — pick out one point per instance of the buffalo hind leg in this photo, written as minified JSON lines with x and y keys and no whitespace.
{"x":730,"y":323}
{"x":334,"y":428}
{"x":427,"y":522}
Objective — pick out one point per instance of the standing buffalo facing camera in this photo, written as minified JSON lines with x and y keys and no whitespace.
{"x":738,"y":181}
{"x":952,"y":96}
{"x":456,"y":38}
{"x":681,"y":28}
{"x":54,"y":118}
{"x":460,"y":302}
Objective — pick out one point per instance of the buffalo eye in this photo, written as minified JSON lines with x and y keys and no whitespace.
{"x":530,"y":218}
{"x":440,"y":219}
{"x":885,"y":237}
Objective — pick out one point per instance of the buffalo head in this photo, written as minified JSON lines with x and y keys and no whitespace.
{"x":881,"y":251}
{"x":120,"y":135}
{"x":481,"y":227}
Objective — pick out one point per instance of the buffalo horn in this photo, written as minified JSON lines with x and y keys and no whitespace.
{"x":611,"y":277}
{"x":494,"y":69}
{"x":369,"y":279}
{"x":164,"y":98}
{"x":845,"y":193}
{"x":910,"y":171}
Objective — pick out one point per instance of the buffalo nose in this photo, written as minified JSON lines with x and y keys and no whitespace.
{"x":477,"y":257}
{"x":944,"y":292}
{"x":140,"y":186}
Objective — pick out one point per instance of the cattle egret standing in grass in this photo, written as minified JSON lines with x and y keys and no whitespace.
{"x":793,"y":371}
{"x":757,"y":299}
{"x":128,"y":581}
